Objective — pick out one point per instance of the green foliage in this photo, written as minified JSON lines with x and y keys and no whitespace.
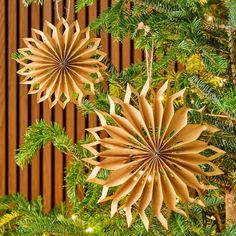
{"x":76,"y":172}
{"x":79,"y":4}
{"x":231,"y":5}
{"x":16,"y":55}
{"x":37,"y":136}
{"x":230,"y":231}
{"x":218,"y":98}
{"x":225,"y":125}
{"x":20,"y":217}
{"x":29,"y":2}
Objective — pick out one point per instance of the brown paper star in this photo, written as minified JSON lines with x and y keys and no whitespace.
{"x":152,"y":153}
{"x":60,"y":61}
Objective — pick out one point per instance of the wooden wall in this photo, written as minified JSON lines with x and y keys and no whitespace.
{"x":18,"y":110}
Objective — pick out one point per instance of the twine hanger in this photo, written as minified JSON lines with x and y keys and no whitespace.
{"x":67,"y":10}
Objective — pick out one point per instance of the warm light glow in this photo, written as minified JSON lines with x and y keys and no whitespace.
{"x":149,"y":178}
{"x":140,"y":172}
{"x":161,"y":97}
{"x":73,"y":217}
{"x":135,"y":178}
{"x":210,"y":18}
{"x":192,"y":101}
{"x":212,"y":218}
{"x":89,"y":230}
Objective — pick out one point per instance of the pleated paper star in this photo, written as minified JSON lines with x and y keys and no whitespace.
{"x":60,"y":62}
{"x":152,"y":153}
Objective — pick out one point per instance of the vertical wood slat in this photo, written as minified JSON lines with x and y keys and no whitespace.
{"x":12,"y":95}
{"x":47,"y":151}
{"x":115,"y":51}
{"x":137,"y":54}
{"x":126,"y":52}
{"x":80,"y":118}
{"x":2,"y":99}
{"x":58,"y":156}
{"x":70,"y":108}
{"x":104,"y":47}
{"x":92,"y":13}
{"x":23,"y":100}
{"x":35,"y":115}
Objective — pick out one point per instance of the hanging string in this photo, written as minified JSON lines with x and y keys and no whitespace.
{"x":57,"y":9}
{"x":147,"y":63}
{"x":67,"y":11}
{"x":149,"y":60}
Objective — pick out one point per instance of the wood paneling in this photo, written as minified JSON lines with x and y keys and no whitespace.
{"x":11,"y":98}
{"x":35,"y":115}
{"x":3,"y":117}
{"x":23,"y":97}
{"x":18,"y":110}
{"x":47,"y":151}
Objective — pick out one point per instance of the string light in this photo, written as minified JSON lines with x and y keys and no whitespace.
{"x":140,"y":172}
{"x":89,"y":230}
{"x":210,"y":18}
{"x":212,"y":218}
{"x":73,"y":217}
{"x":149,"y":178}
{"x":161,"y":97}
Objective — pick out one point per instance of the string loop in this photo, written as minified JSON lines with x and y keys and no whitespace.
{"x":67,"y":10}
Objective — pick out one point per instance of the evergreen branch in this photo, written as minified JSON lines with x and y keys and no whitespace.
{"x":16,"y":55}
{"x":21,"y":217}
{"x":114,"y":20}
{"x":213,"y":96}
{"x":79,"y":4}
{"x":75,"y":180}
{"x":37,"y":136}
{"x":224,"y":141}
{"x":50,"y":225}
{"x":29,"y":2}
{"x":86,"y":107}
{"x":226,"y":125}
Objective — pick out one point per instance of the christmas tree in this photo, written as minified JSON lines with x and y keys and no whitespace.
{"x":176,"y":107}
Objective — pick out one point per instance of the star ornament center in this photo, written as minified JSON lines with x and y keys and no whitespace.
{"x":150,"y":168}
{"x":63,"y":64}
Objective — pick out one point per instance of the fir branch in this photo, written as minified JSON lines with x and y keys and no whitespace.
{"x":79,"y":4}
{"x":114,"y":20}
{"x":50,"y":225}
{"x":37,"y":136}
{"x":213,"y":96}
{"x":75,"y":179}
{"x":16,"y":55}
{"x":226,"y":125}
{"x":224,"y":141}
{"x":29,"y":2}
{"x":86,"y":107}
